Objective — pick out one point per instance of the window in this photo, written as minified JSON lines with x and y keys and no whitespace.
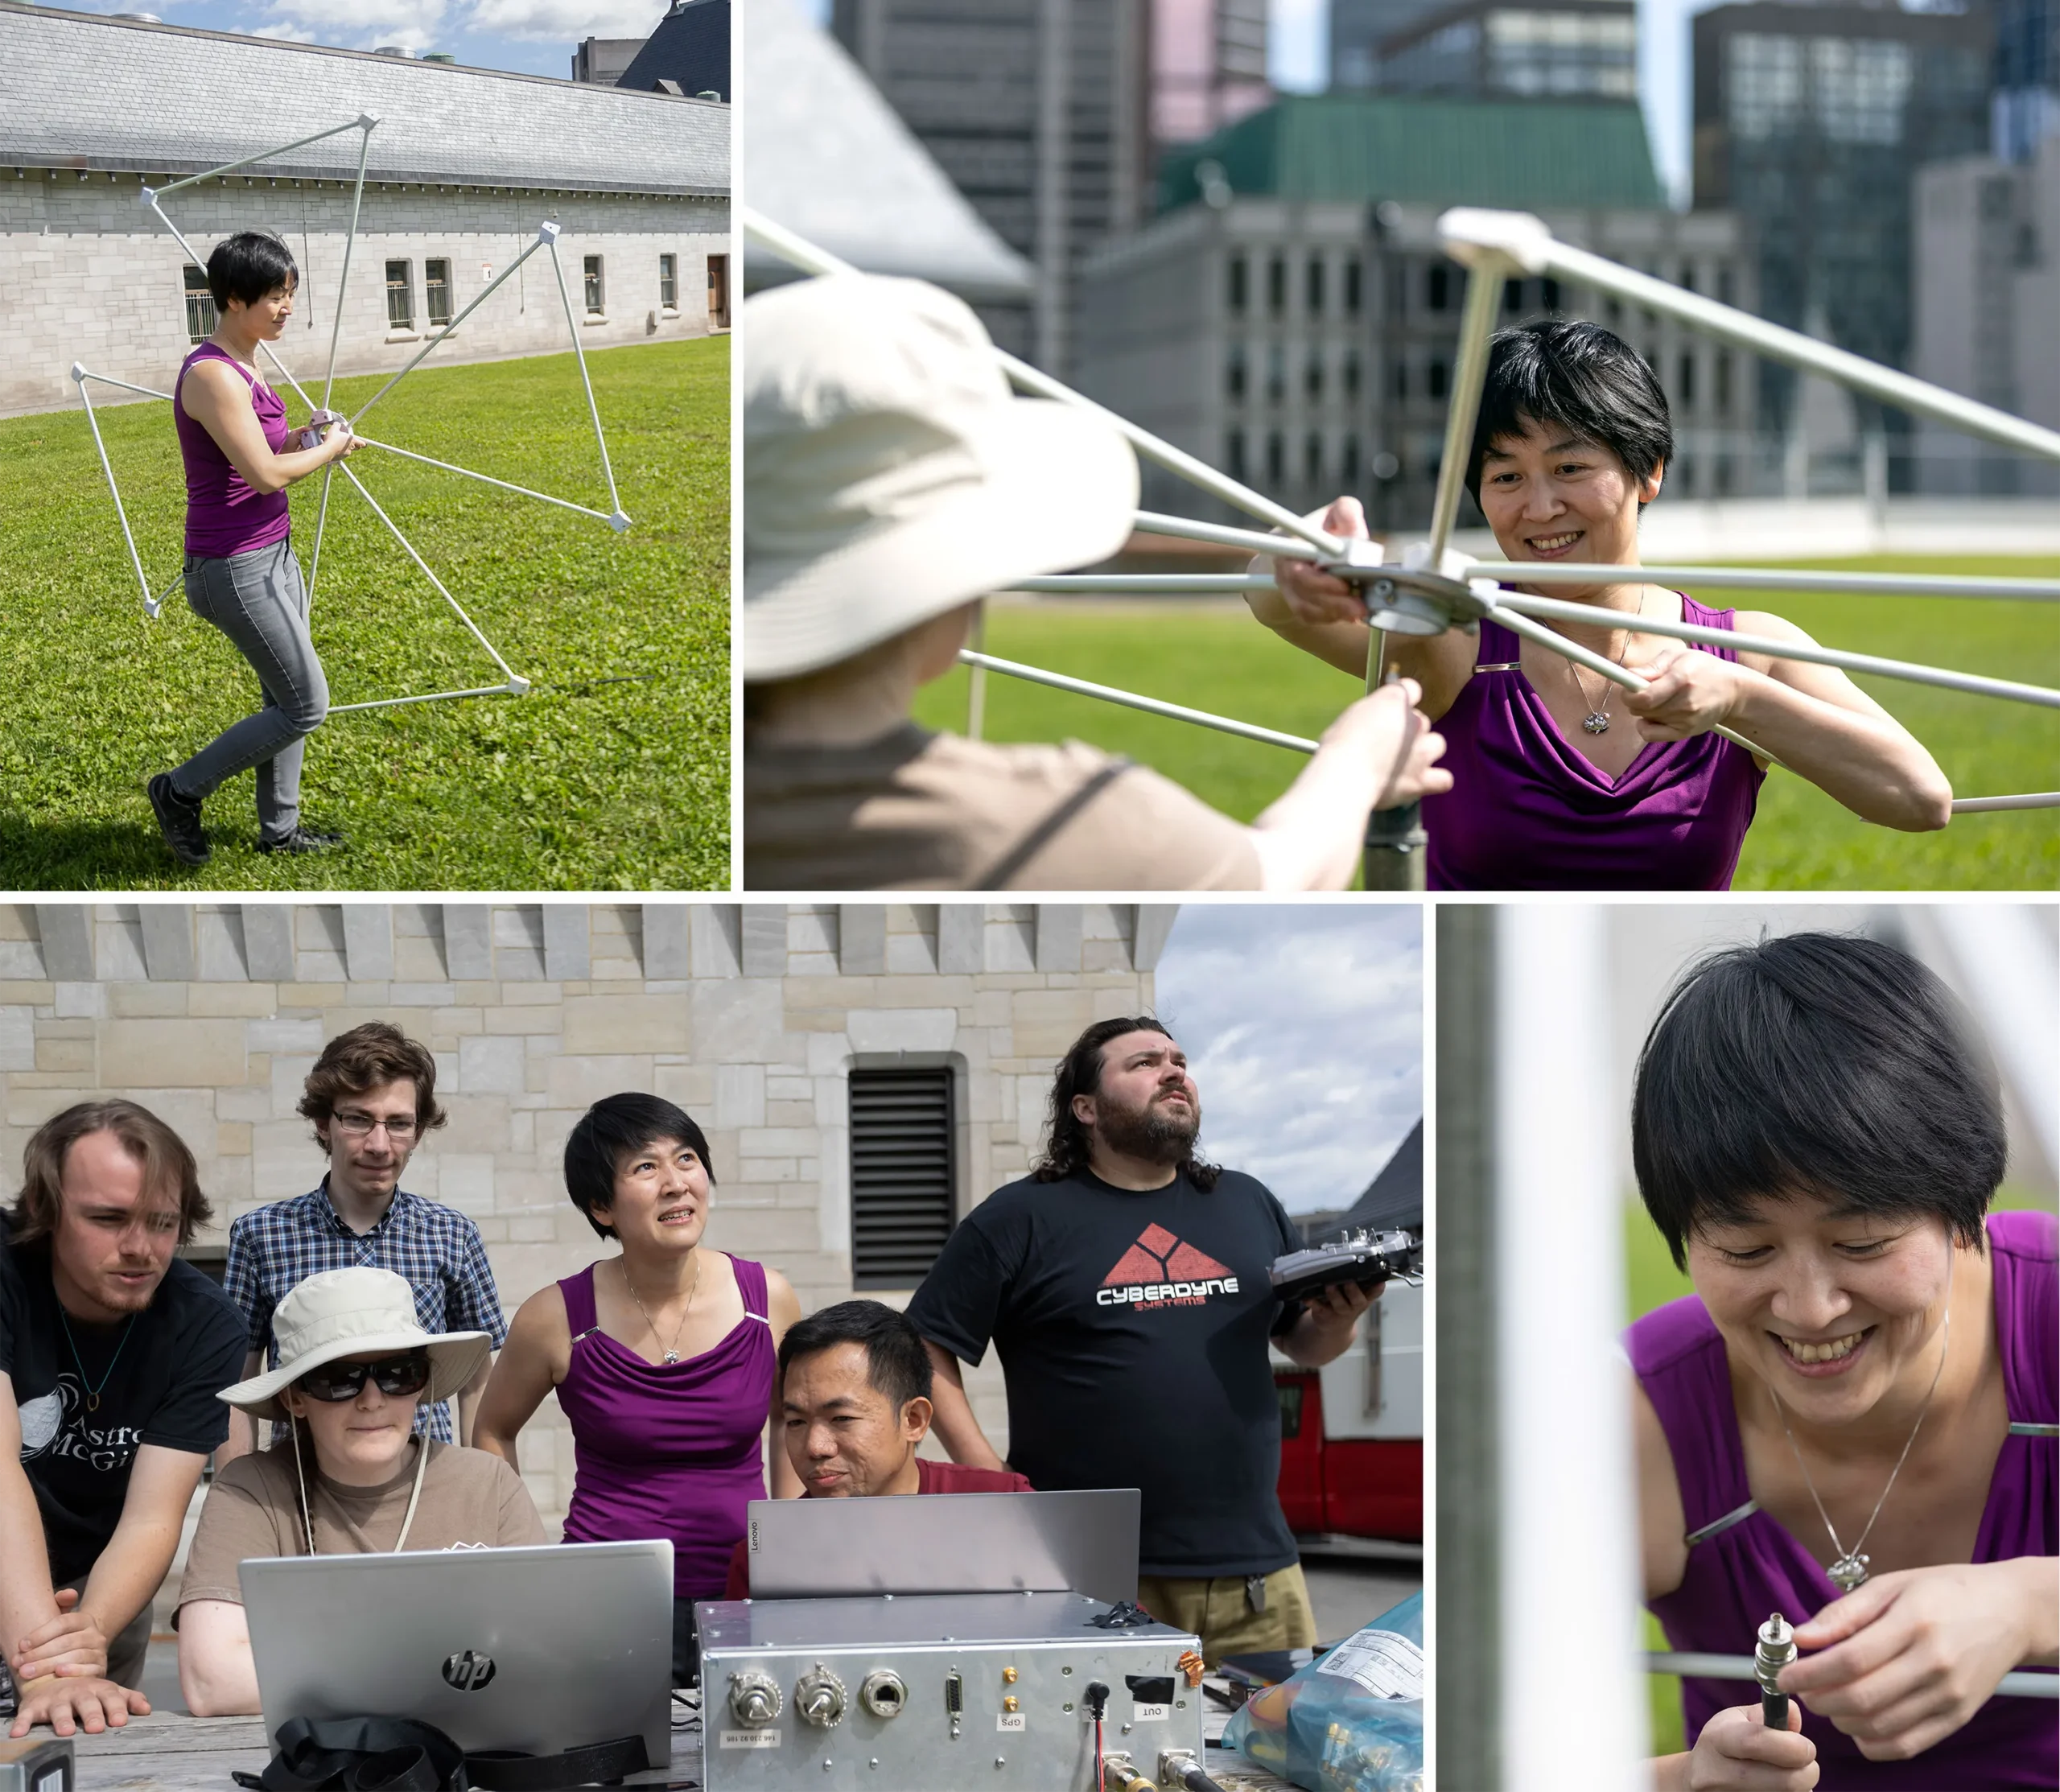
{"x":1401,"y":379}
{"x":1352,"y":286}
{"x":1437,"y":288}
{"x":1350,"y":373}
{"x":1723,"y":285}
{"x":1312,"y":286}
{"x":669,"y":282}
{"x":902,"y":1179}
{"x":595,"y":295}
{"x":1276,"y":372}
{"x":200,"y":319}
{"x":400,"y":297}
{"x":1312,"y":458}
{"x":1723,"y":384}
{"x":1313,"y":377}
{"x":1348,"y":465}
{"x":1276,"y":457}
{"x":1276,"y":285}
{"x":1435,"y":377}
{"x":719,"y":292}
{"x":1290,"y":1394}
{"x":1512,"y":296}
{"x":1234,"y":294}
{"x":1234,"y":372}
{"x":1685,"y":386}
{"x":436,"y":288}
{"x":1233,"y":454}
{"x":1550,"y":299}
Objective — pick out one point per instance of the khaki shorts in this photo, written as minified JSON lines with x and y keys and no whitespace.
{"x":1220,"y":1612}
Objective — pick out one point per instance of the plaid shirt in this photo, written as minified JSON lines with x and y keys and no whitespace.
{"x":435,"y":1248}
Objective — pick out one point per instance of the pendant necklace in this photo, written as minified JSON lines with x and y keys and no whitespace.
{"x":1850,"y":1569}
{"x":671,"y":1354}
{"x":93,"y":1393}
{"x":1596,"y":721}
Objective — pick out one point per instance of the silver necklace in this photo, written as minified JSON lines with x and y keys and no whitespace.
{"x":1596,"y":721}
{"x":1850,"y":1568}
{"x":671,"y":1351}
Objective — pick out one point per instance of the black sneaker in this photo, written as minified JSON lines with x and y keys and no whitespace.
{"x":302,"y":840}
{"x":179,"y":817}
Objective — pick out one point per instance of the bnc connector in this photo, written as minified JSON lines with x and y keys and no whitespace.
{"x":1775,"y":1649}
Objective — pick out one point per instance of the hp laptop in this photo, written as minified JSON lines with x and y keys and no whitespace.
{"x":535,"y":1649}
{"x":1074,"y":1542}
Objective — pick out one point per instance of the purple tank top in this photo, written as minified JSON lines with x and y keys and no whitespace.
{"x":224,"y":516}
{"x":668,"y":1449}
{"x":1527,"y":812}
{"x":1741,"y":1572}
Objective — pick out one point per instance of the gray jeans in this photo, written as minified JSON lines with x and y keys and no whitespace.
{"x":259,"y":601}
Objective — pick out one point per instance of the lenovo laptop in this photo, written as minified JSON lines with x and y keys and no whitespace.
{"x":535,"y":1649}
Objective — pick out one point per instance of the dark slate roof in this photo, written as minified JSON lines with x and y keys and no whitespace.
{"x":1395,"y":1196}
{"x":832,"y":160}
{"x":691,"y":49}
{"x":1525,"y":155}
{"x":81,"y":91}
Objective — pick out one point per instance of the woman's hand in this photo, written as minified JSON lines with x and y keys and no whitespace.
{"x":1687,"y":692}
{"x":1389,"y":728}
{"x":339,"y":441}
{"x":1907,"y":1658}
{"x":1736,"y":1750}
{"x":1313,"y":595}
{"x":72,"y":1644}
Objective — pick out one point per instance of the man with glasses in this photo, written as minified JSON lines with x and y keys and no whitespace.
{"x":370,"y":1097}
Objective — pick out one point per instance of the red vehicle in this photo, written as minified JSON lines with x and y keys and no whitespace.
{"x":1352,"y":1432}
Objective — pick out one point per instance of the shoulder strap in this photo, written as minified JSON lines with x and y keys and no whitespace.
{"x":754,"y":1289}
{"x":1498,"y":651}
{"x":580,"y":1309}
{"x":1004,"y":869}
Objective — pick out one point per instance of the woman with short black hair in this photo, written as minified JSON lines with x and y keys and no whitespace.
{"x":1851,"y":1421}
{"x":1561,"y":781}
{"x":662,"y":1357}
{"x":241,"y":572}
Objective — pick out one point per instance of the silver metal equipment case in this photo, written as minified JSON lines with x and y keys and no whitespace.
{"x":935,"y":1692}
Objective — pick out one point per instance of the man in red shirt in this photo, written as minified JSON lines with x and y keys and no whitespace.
{"x":854,"y":1382}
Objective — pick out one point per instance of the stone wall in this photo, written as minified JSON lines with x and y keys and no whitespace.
{"x":88,"y":274}
{"x":749,"y":1016}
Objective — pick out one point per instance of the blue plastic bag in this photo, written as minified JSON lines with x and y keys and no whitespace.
{"x":1352,"y":1721}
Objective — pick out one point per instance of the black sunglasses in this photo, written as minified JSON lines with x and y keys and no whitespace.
{"x":345,"y":1380}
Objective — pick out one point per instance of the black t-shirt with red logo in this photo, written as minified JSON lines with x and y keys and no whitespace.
{"x":1133,"y":1326}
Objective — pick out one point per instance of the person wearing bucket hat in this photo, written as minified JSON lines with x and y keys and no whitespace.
{"x":354,"y":1477}
{"x":891,"y":479}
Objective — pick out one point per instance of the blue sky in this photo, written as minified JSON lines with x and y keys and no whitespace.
{"x":1304,"y":1029}
{"x":530,"y":37}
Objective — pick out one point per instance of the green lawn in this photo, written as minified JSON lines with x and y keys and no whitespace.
{"x":1214,"y":658}
{"x":613,"y":773}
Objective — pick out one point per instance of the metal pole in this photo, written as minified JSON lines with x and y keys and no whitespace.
{"x":1151,"y":706}
{"x":514,"y":678}
{"x":1969,"y":682}
{"x":178,"y":235}
{"x":92,"y":422}
{"x":321,"y":523}
{"x":1144,"y":584}
{"x":579,"y":355}
{"x":1484,"y":297}
{"x":1694,"y":1664}
{"x":1396,"y":853}
{"x":563,"y":504}
{"x":1770,"y":579}
{"x":976,"y":677}
{"x":361,"y":121}
{"x":437,"y":341}
{"x":343,"y":280}
{"x":1152,"y":522}
{"x":805,"y":255}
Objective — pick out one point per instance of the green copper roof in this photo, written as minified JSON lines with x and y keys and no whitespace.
{"x":1515,"y":155}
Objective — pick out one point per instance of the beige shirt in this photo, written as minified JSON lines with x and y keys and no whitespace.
{"x":470,"y":1498}
{"x":914,"y":810}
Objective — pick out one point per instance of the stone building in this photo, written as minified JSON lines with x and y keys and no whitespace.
{"x":1290,"y":318}
{"x":463,"y":167}
{"x":779,"y":1028}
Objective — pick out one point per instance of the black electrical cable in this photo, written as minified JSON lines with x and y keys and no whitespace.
{"x":1195,"y":1780}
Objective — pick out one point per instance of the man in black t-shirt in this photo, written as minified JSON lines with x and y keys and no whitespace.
{"x":1124,"y":1284}
{"x":112,"y":1352}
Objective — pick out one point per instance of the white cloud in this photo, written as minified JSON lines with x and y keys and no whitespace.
{"x":1304,"y":1026}
{"x":285,"y":33}
{"x":413,"y":24}
{"x":564,"y":20}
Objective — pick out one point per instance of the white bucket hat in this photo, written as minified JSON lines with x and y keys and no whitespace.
{"x":350,"y":1313}
{"x":890,"y":474}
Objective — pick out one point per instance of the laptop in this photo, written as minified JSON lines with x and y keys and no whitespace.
{"x":1083,"y":1542}
{"x":536,"y":1650}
